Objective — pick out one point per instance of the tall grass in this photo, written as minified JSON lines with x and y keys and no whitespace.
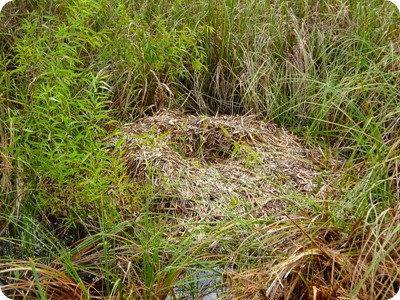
{"x":73,"y":224}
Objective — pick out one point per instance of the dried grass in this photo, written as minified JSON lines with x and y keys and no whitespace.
{"x":328,"y":264}
{"x":55,"y":283}
{"x":207,"y":166}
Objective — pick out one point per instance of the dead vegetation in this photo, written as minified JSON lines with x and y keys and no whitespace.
{"x":207,"y":166}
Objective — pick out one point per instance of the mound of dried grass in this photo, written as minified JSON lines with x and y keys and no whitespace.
{"x":207,"y":166}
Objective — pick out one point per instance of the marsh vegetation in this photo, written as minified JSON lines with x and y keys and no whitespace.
{"x":147,"y":147}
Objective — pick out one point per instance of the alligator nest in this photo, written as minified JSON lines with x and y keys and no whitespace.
{"x":207,"y":167}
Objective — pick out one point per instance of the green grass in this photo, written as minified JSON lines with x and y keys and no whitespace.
{"x":73,"y":222}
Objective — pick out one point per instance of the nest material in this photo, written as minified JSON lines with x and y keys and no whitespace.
{"x":211,"y":166}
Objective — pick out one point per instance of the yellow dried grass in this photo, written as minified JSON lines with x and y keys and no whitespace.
{"x":205,"y":166}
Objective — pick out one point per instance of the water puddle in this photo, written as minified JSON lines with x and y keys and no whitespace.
{"x":204,"y":285}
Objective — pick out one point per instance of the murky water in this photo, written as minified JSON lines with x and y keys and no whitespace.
{"x":205,"y":285}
